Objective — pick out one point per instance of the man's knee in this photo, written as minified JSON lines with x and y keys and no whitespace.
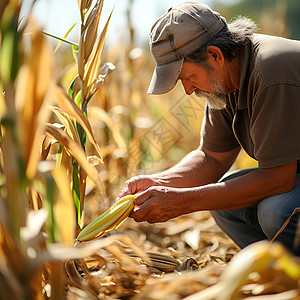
{"x":227,"y":218}
{"x":273,"y":212}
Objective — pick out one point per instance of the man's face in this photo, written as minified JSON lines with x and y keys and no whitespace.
{"x":205,"y":82}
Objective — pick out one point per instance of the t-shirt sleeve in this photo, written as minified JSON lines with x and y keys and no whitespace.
{"x":275,"y":125}
{"x":216,"y":131}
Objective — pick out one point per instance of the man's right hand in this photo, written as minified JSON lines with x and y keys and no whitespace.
{"x":138,"y":184}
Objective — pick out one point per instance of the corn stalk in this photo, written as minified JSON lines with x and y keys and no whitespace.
{"x":72,"y":106}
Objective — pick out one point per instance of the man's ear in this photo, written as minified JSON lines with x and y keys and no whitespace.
{"x":215,"y":55}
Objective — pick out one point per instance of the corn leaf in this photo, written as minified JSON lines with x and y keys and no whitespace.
{"x":66,"y":121}
{"x":75,"y":52}
{"x":76,"y":190}
{"x":84,"y":5}
{"x":75,"y":149}
{"x":80,"y":57}
{"x":46,"y":145}
{"x":74,"y":87}
{"x":9,"y":52}
{"x":82,"y":179}
{"x":91,"y":28}
{"x":64,"y":207}
{"x":32,"y":85}
{"x":60,"y":38}
{"x":67,"y":33}
{"x":93,"y":65}
{"x":49,"y":205}
{"x":64,"y":159}
{"x":70,"y":108}
{"x":14,"y":206}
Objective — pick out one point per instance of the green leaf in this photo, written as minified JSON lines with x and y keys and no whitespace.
{"x":75,"y":52}
{"x":59,"y":154}
{"x":76,"y":190}
{"x":50,"y":224}
{"x":9,"y":51}
{"x":59,"y":38}
{"x":71,"y":88}
{"x":67,"y":33}
{"x":82,"y":135}
{"x":77,"y":99}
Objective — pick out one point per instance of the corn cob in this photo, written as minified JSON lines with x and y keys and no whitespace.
{"x":107,"y":221}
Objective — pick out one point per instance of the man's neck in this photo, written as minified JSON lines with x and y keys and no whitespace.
{"x":234,"y":73}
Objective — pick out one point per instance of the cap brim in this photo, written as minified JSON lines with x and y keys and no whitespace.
{"x":165,"y":77}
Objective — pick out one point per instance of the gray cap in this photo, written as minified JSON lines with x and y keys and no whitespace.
{"x":175,"y":35}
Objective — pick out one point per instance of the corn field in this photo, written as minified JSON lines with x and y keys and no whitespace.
{"x":69,"y":142}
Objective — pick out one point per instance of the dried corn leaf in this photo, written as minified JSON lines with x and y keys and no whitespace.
{"x":94,"y":160}
{"x":84,"y":5}
{"x":33,"y":82}
{"x":160,"y":261}
{"x":260,"y":257}
{"x":10,"y":253}
{"x":3,"y":4}
{"x":3,"y":108}
{"x":46,"y":145}
{"x":66,"y":121}
{"x":64,"y":212}
{"x":66,"y":160}
{"x":93,"y":65}
{"x":35,"y":198}
{"x":70,"y":108}
{"x":59,"y":252}
{"x":292,"y":294}
{"x":91,"y":29}
{"x":57,"y":279}
{"x":172,"y":286}
{"x":80,"y":57}
{"x":75,"y":149}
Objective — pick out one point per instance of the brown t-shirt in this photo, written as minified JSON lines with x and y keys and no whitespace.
{"x":263,"y":116}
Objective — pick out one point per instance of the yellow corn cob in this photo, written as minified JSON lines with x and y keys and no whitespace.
{"x":109,"y":220}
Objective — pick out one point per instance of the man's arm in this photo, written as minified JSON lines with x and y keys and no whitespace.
{"x":245,"y":190}
{"x":157,"y":204}
{"x":197,"y":168}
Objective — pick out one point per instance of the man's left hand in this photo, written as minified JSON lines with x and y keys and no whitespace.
{"x":158,"y":204}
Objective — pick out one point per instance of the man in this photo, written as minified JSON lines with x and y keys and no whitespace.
{"x":252,"y":86}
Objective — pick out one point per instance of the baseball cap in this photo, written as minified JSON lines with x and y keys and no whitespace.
{"x":176,"y":34}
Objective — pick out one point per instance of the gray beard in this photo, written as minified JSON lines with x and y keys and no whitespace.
{"x":214,"y":101}
{"x":217,"y":99}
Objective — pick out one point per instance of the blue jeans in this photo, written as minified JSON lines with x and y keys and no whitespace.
{"x":264,"y":220}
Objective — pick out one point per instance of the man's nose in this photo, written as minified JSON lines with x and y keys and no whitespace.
{"x":189,"y":88}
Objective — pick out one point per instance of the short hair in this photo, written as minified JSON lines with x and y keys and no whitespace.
{"x":229,"y":40}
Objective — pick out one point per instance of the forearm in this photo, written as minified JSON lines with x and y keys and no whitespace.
{"x":161,"y":203}
{"x":244,"y":191}
{"x":195,"y":169}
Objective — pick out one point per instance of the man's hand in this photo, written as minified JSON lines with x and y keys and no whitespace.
{"x":140,"y":183}
{"x":158,"y":204}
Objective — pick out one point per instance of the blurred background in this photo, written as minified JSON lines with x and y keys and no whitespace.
{"x":158,"y":130}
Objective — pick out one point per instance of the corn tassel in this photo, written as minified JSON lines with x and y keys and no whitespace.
{"x":109,"y":220}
